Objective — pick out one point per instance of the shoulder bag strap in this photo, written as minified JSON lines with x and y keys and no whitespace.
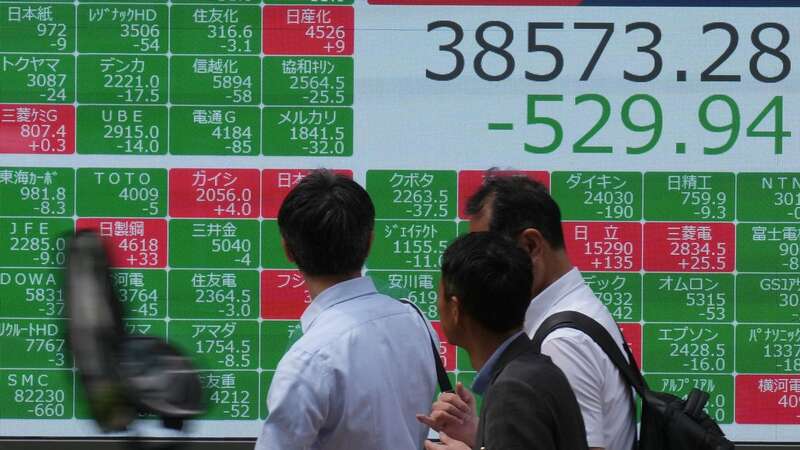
{"x":587,"y":325}
{"x":441,"y":373}
{"x":629,"y":370}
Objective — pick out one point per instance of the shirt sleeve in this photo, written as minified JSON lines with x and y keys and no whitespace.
{"x":573,"y":355}
{"x":516,"y":419}
{"x":298,"y":403}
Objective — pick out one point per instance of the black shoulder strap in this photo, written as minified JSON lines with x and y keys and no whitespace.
{"x":581,"y":322}
{"x":441,"y":373}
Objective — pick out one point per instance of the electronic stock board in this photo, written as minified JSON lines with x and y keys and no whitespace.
{"x":667,"y":131}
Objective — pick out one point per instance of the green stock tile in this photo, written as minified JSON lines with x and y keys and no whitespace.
{"x":312,"y":131}
{"x":122,"y":79}
{"x":409,"y":244}
{"x":295,"y":80}
{"x":463,"y":227}
{"x":215,"y":80}
{"x":413,"y":194}
{"x":277,"y":336}
{"x":31,"y":293}
{"x":123,"y":29}
{"x":421,"y":288}
{"x":598,"y":195}
{"x":230,"y":395}
{"x":769,"y":197}
{"x":719,"y":388}
{"x":620,"y":292}
{"x":216,"y":29}
{"x":213,"y":294}
{"x":37,"y":28}
{"x":768,"y":247}
{"x":231,"y":131}
{"x":224,"y":244}
{"x":266,"y":382}
{"x":688,"y":348}
{"x":36,"y":394}
{"x":122,"y":192}
{"x":122,"y":130}
{"x":680,"y":297}
{"x":143,"y":293}
{"x":463,"y":362}
{"x":34,"y":242}
{"x":272,"y":254}
{"x":28,"y":191}
{"x":34,"y":344}
{"x":768,"y":298}
{"x":30,"y":78}
{"x":81,"y":403}
{"x":217,"y":344}
{"x":689,"y":196}
{"x":765,"y":348}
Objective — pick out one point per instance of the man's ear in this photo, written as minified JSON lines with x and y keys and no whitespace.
{"x":287,"y":252}
{"x":455,"y":309}
{"x":532,"y":241}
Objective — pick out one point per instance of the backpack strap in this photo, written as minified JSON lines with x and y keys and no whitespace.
{"x":598,"y":333}
{"x":601,"y":337}
{"x":441,"y":373}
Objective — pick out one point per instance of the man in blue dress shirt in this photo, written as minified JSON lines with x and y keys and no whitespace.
{"x":364,"y":365}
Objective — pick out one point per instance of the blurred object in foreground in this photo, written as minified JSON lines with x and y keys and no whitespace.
{"x":123,"y":375}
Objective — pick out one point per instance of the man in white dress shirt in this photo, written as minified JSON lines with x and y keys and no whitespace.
{"x":523,"y":210}
{"x":364,"y":365}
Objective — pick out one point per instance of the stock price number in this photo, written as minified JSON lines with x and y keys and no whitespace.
{"x":236,"y":403}
{"x":230,"y":303}
{"x":233,"y":353}
{"x":651,"y":36}
{"x":230,"y":201}
{"x":51,"y":201}
{"x":234,"y":39}
{"x":700,"y":255}
{"x":141,"y":302}
{"x":787,"y":354}
{"x":700,"y":357}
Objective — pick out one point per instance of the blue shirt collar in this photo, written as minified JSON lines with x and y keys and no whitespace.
{"x":338,"y":293}
{"x":483,"y":378}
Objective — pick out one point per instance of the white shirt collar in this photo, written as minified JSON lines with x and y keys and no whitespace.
{"x":338,"y":293}
{"x":542,"y":304}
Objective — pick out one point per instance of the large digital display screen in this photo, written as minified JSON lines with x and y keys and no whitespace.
{"x":666,"y":130}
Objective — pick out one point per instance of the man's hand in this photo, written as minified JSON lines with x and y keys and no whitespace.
{"x":447,"y":443}
{"x":455,"y":415}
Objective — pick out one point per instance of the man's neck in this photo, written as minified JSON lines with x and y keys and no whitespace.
{"x":482,"y":345}
{"x":558,"y":267}
{"x":317,"y":284}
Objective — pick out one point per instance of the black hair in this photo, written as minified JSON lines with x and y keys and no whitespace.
{"x":518,"y":202}
{"x":326,"y":222}
{"x":492,"y":278}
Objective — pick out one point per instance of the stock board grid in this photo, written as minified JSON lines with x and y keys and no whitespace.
{"x":182,"y":79}
{"x":700,"y":268}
